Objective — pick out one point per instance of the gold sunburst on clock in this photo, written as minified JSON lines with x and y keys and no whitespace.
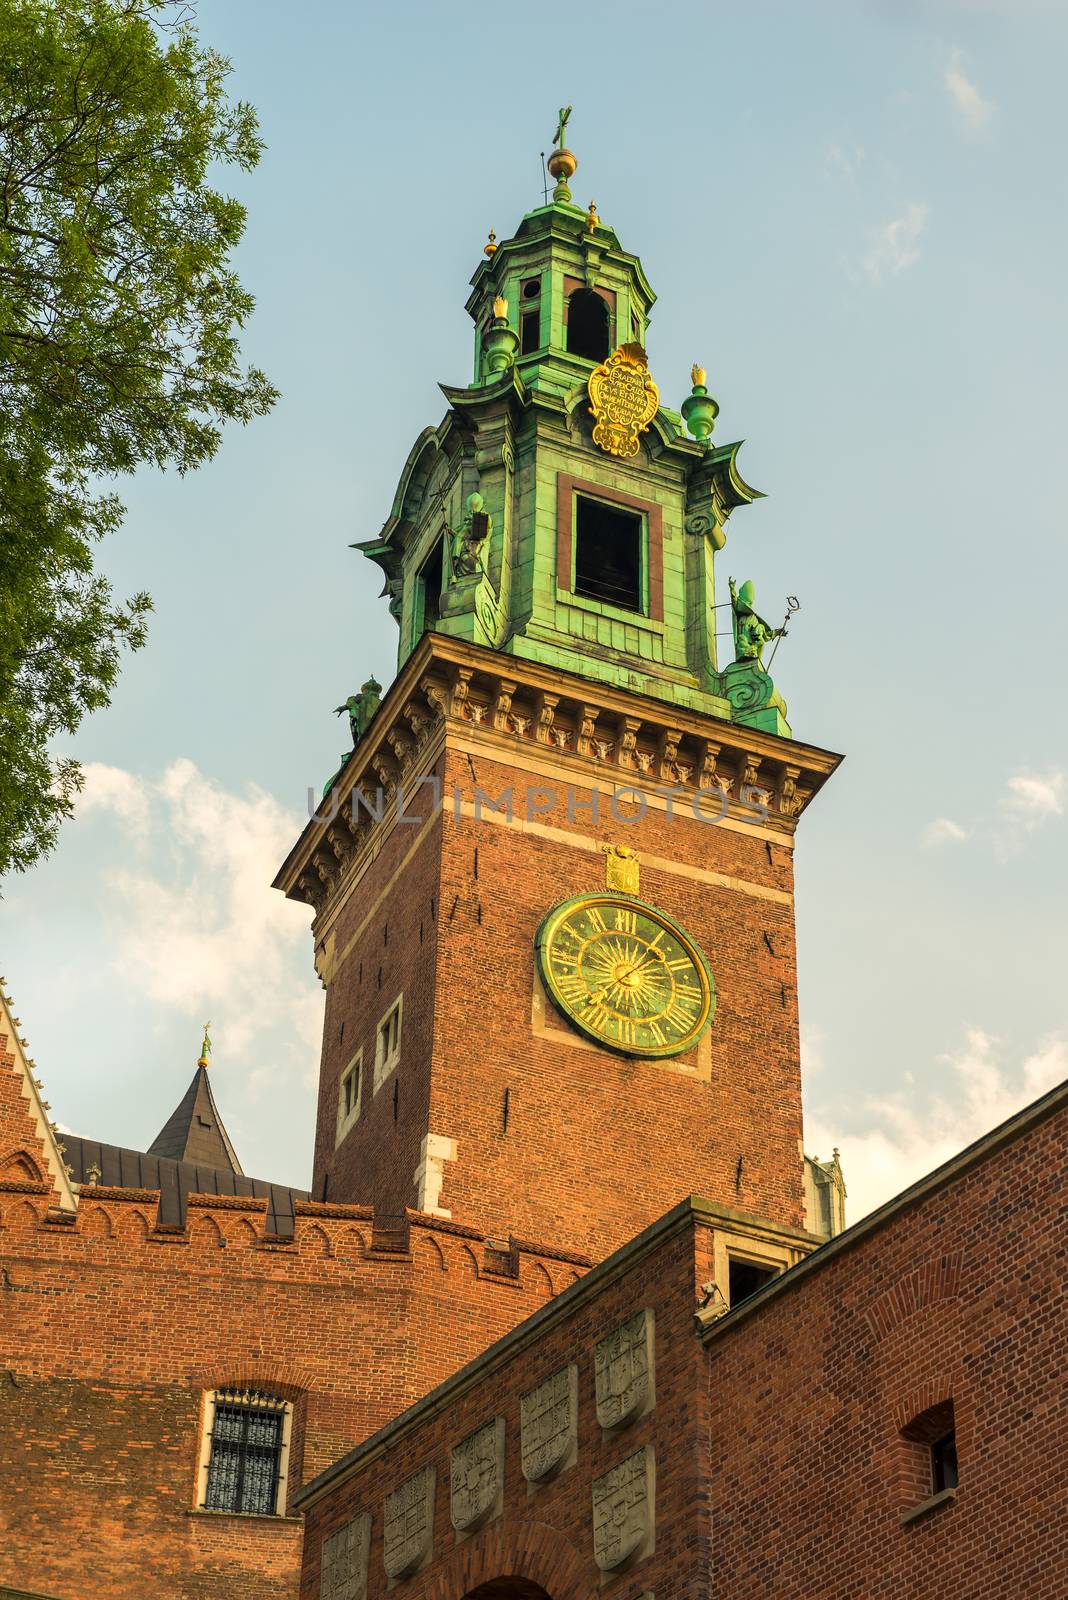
{"x":625,"y":975}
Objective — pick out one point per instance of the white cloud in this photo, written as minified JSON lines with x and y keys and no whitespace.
{"x":973,"y":110}
{"x":813,"y":1060}
{"x":1031,"y":799}
{"x":115,"y":790}
{"x":197,"y":927}
{"x":844,"y":161}
{"x":900,"y":1137}
{"x":895,"y":246}
{"x":1034,"y":799}
{"x":943,"y":830}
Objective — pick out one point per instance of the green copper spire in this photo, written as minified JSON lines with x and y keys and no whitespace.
{"x":560,"y":512}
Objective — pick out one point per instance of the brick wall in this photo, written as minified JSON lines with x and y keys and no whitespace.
{"x":543,"y":1535}
{"x":111,"y":1330}
{"x":960,"y":1297}
{"x":598,"y":1145}
{"x":789,"y":1455}
{"x":594,"y":1145}
{"x":383,"y":943}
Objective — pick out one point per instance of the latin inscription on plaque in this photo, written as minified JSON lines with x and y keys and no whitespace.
{"x":549,"y":1426}
{"x":623,"y":1502}
{"x":408,"y":1530}
{"x":623,"y":1371}
{"x":344,"y":1564}
{"x":477,"y":1477}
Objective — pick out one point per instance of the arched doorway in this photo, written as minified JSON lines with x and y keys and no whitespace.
{"x":510,"y":1587}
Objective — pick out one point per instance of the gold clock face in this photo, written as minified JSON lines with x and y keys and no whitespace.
{"x":626,"y":975}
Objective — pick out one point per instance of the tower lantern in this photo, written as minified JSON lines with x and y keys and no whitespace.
{"x":605,"y":509}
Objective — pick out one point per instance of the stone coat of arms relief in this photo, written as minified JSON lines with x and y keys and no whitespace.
{"x":624,"y":1371}
{"x":623,"y":1511}
{"x":548,"y":1418}
{"x":344,"y":1560}
{"x":476,"y":1473}
{"x":408,"y":1529}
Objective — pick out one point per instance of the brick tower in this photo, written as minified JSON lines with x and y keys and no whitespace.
{"x":553,"y":880}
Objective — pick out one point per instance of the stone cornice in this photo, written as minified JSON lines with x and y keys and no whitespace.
{"x":597,"y":733}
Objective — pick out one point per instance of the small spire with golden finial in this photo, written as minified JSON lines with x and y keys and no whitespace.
{"x":205,"y":1048}
{"x":699,"y":410}
{"x":490,"y":246}
{"x":562,"y":163}
{"x":593,"y":221}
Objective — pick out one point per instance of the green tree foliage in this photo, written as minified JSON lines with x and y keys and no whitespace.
{"x":119,"y":323}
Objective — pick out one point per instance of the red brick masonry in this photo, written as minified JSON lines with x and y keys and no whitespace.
{"x":788,"y":1466}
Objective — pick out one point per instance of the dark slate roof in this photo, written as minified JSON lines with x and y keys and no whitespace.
{"x":177,"y":1180}
{"x":194,"y":1132}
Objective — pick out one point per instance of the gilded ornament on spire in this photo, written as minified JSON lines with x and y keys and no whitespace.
{"x":623,"y":400}
{"x":490,"y":246}
{"x":562,"y":163}
{"x":593,"y":221}
{"x":205,"y":1048}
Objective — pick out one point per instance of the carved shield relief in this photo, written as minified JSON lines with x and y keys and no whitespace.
{"x":623,"y":1511}
{"x":623,"y":1371}
{"x":344,"y":1560}
{"x":477,"y":1477}
{"x":408,"y":1527}
{"x":548,"y":1418}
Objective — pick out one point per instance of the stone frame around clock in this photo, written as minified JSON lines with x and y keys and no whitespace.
{"x":561,"y":909}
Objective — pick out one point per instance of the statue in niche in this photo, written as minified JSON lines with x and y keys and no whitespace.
{"x":751,"y":632}
{"x":469,"y":539}
{"x":361,"y":708}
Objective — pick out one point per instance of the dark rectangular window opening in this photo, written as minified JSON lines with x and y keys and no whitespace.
{"x":944,"y":1463}
{"x":608,"y":554}
{"x":745,"y":1278}
{"x":430,"y":576}
{"x":529,"y":332}
{"x":246,"y":1447}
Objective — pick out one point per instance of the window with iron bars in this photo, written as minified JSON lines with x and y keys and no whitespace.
{"x":245,"y":1453}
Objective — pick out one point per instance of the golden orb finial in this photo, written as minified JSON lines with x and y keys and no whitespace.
{"x":205,"y":1048}
{"x":592,"y":219}
{"x":490,"y":246}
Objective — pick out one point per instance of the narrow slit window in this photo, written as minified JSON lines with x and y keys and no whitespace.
{"x":349,"y":1096}
{"x":928,"y":1461}
{"x":430,"y":576}
{"x":608,"y":554}
{"x":944,"y":1463}
{"x":530,"y":332}
{"x":387,"y":1048}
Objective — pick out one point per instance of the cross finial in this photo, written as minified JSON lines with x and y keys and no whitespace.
{"x":560,"y":136}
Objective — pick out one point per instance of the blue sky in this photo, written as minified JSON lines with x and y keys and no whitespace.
{"x":854,"y":215}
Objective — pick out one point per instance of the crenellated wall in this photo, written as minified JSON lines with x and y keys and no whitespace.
{"x":112,"y":1329}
